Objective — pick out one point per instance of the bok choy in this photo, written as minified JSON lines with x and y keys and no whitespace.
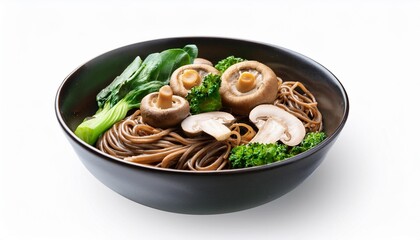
{"x":126,"y":90}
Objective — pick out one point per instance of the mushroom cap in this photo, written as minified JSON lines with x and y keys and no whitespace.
{"x":163,"y":118}
{"x":291,"y":130}
{"x":242,"y":103}
{"x":202,"y":61}
{"x":176,"y":83}
{"x":213,"y":123}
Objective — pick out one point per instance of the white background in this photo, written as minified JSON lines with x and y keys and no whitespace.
{"x":367,"y":187}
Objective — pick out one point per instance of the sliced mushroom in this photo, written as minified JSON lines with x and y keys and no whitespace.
{"x":189,"y":76}
{"x":163,"y":109}
{"x":202,"y":61}
{"x":246,"y":85}
{"x":212,"y":123}
{"x":276,"y":124}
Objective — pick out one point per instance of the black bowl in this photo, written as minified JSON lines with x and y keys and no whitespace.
{"x":200,"y":192}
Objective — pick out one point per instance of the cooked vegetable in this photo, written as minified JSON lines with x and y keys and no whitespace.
{"x":311,"y":140}
{"x":275,"y":124}
{"x":108,"y":94}
{"x":163,"y":109}
{"x":224,"y":64}
{"x":127,"y":90}
{"x":256,"y":154}
{"x":203,"y":61}
{"x":206,"y":97}
{"x":241,"y":93}
{"x":189,"y":76}
{"x":213,"y":123}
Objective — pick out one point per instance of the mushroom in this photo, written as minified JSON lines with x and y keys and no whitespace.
{"x":212,"y":123}
{"x":162,"y":109}
{"x":275,"y":124}
{"x":189,"y":76}
{"x":246,"y":85}
{"x":202,"y":61}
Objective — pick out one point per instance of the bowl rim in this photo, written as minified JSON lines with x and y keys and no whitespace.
{"x":103,"y":156}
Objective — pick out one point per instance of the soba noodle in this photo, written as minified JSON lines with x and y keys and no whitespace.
{"x":296,"y":99}
{"x":135,"y":141}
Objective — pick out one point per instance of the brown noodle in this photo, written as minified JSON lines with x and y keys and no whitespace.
{"x":135,"y":141}
{"x":296,"y":99}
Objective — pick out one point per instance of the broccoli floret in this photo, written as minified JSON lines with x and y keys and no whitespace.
{"x":224,"y":64}
{"x":256,"y":154}
{"x":311,"y":140}
{"x":206,"y":97}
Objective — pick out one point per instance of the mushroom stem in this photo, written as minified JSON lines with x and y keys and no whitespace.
{"x":215,"y":128}
{"x":272,"y":131}
{"x":164,"y":99}
{"x":190,"y":78}
{"x":246,"y":82}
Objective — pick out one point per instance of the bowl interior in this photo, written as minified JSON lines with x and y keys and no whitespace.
{"x":76,"y":96}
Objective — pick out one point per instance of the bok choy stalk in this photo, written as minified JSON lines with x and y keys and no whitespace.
{"x":126,"y":91}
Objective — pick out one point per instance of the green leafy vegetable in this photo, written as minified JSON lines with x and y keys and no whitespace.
{"x":256,"y":154}
{"x":192,"y":50}
{"x":127,"y":90}
{"x":311,"y":140}
{"x":112,"y":89}
{"x":206,"y":97}
{"x":224,"y":64}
